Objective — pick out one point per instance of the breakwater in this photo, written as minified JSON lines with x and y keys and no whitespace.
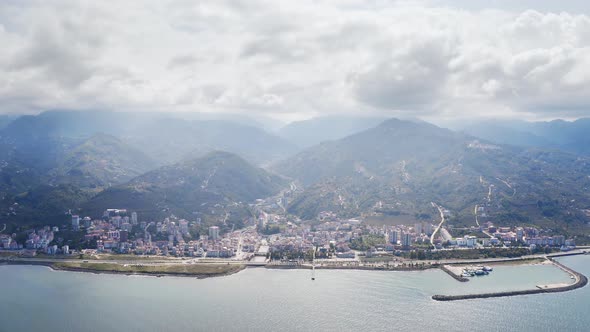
{"x":580,"y":281}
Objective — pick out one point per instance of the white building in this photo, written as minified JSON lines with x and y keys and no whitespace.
{"x":394,"y":237}
{"x":76,"y":222}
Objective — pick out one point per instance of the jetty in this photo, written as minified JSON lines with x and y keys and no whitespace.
{"x":580,"y":281}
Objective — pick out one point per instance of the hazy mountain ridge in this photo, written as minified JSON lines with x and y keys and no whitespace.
{"x":172,"y":140}
{"x":405,"y":165}
{"x":558,"y":134}
{"x":314,"y":131}
{"x":396,"y":167}
{"x":219,"y":181}
{"x":166,"y":138}
{"x":101,"y":161}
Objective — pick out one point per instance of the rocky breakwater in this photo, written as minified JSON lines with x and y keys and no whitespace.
{"x":580,"y":281}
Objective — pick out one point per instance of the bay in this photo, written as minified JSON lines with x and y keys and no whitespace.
{"x":257,"y":299}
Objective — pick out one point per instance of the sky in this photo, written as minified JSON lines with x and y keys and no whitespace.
{"x":293,"y":60}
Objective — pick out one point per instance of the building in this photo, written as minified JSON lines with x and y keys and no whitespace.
{"x":134,"y":218}
{"x":76,"y":222}
{"x":123,"y":236}
{"x":418,"y":228}
{"x":519,"y":233}
{"x":394,"y":237}
{"x":183,"y":225}
{"x":406,"y":239}
{"x":214,"y":233}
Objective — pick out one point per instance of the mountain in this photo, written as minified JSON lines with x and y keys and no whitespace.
{"x":101,"y":161}
{"x":558,"y":134}
{"x":209,"y":187}
{"x":43,"y":140}
{"x":42,"y":205}
{"x":170,"y":140}
{"x":310,"y":132}
{"x":399,"y":167}
{"x":262,"y":122}
{"x":70,"y":176}
{"x":5,"y":120}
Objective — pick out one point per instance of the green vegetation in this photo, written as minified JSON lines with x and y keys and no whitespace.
{"x":100,"y":161}
{"x":220,"y":182}
{"x":271,"y":229}
{"x":367,"y":241}
{"x":396,"y":169}
{"x":199,"y":270}
{"x":125,"y":257}
{"x":472,"y":253}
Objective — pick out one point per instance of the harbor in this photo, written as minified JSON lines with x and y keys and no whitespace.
{"x":578,"y":280}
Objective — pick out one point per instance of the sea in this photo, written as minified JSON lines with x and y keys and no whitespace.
{"x":36,"y":298}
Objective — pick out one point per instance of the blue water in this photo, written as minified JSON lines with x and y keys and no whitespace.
{"x":34,"y":298}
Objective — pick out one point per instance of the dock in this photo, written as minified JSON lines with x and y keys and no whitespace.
{"x":580,"y":281}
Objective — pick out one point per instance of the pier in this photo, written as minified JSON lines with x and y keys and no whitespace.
{"x":580,"y":281}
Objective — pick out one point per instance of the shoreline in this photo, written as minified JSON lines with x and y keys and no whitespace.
{"x":56,"y":267}
{"x":580,"y":279}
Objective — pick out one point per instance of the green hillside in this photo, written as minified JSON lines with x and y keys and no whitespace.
{"x":399,"y":167}
{"x":209,"y":187}
{"x":101,"y":161}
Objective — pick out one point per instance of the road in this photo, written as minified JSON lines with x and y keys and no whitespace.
{"x":3,"y":229}
{"x":348,"y":263}
{"x":509,"y":186}
{"x":478,"y":225}
{"x":442,"y":220}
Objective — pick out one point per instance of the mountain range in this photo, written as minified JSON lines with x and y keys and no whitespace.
{"x":571,"y":136}
{"x":206,"y":187}
{"x":211,"y":169}
{"x":317,"y":130}
{"x":400,"y":167}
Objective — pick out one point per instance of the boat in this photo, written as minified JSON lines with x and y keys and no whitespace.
{"x":480,"y":272}
{"x":488,"y":268}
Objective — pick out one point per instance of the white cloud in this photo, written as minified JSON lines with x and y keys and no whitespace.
{"x":295,"y":59}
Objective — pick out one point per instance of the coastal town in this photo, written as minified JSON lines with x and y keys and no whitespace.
{"x":272,"y":238}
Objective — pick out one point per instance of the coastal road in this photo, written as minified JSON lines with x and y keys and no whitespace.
{"x":3,"y":229}
{"x":442,"y":220}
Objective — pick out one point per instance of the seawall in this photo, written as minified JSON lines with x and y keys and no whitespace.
{"x":581,"y":281}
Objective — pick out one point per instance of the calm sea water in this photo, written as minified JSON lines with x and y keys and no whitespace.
{"x":36,"y":298}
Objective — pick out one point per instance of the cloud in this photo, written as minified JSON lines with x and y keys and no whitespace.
{"x":296,"y":59}
{"x":411,"y":78}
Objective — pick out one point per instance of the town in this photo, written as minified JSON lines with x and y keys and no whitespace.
{"x":272,"y":238}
